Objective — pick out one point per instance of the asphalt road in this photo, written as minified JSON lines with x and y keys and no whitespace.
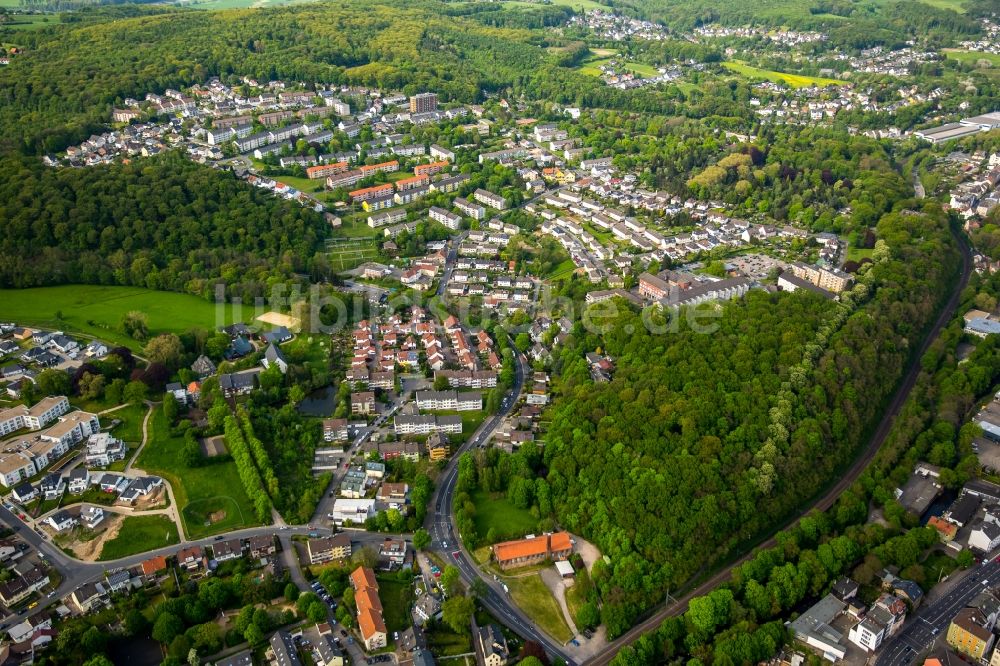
{"x":826,"y":501}
{"x":76,"y":573}
{"x":444,"y":536}
{"x":922,"y":628}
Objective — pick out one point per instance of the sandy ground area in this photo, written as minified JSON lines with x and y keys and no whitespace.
{"x":278,"y":319}
{"x":89,"y":551}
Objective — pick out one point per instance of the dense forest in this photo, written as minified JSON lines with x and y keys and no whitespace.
{"x":706,"y":440}
{"x":163,"y":223}
{"x":933,"y":426}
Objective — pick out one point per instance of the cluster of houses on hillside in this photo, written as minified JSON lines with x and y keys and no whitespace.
{"x":977,"y":194}
{"x":616,"y":27}
{"x":781,"y":36}
{"x":990,"y":41}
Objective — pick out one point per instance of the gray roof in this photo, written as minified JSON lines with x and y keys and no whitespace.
{"x":284,"y":649}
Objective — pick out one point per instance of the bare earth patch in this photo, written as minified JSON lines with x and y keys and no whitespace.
{"x":89,"y":551}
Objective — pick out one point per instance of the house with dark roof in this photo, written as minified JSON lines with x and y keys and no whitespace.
{"x":963,"y":509}
{"x":277,"y":336}
{"x":281,"y":650}
{"x":274,"y":356}
{"x":239,"y":348}
{"x":24,"y":493}
{"x":203,"y":366}
{"x":491,"y":646}
{"x":238,"y":383}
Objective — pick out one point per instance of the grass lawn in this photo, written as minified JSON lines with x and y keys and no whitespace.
{"x":199,"y":491}
{"x":498,"y":514}
{"x":576,"y":595}
{"x":471,"y":419}
{"x":92,"y":495}
{"x":97,"y":310}
{"x":534,"y":598}
{"x":562,"y":271}
{"x":444,"y":642}
{"x":858,"y":253}
{"x":973,"y":56}
{"x":396,"y":598}
{"x":355,"y":225}
{"x":591,"y":66}
{"x":130,"y":428}
{"x":139,"y":534}
{"x":793,"y":80}
{"x":937,"y":566}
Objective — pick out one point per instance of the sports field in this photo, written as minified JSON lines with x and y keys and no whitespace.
{"x":793,"y":80}
{"x":97,"y":310}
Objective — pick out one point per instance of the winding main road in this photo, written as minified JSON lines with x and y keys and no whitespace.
{"x":827,"y":500}
{"x":441,"y":525}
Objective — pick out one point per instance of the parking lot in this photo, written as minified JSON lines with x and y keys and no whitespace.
{"x":988,"y":453}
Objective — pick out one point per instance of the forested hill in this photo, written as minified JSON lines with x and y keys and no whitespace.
{"x":701,"y":442}
{"x":49,"y":100}
{"x":162,"y":223}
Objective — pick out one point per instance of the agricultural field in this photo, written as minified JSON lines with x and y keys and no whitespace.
{"x":197,"y":489}
{"x":953,"y":5}
{"x":96,"y":310}
{"x":793,"y":80}
{"x":30,"y":21}
{"x":578,"y":5}
{"x":138,"y":534}
{"x":973,"y":57}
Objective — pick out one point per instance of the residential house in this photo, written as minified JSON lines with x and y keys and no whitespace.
{"x":191,"y":558}
{"x":370,"y":622}
{"x":153,"y":567}
{"x":89,"y":596}
{"x":326,"y":549}
{"x":261,"y":546}
{"x":392,"y":553}
{"x":229,"y":549}
{"x":78,"y":481}
{"x":52,"y":486}
{"x":62,"y":520}
{"x":274,"y":356}
{"x":91,"y":516}
{"x":491,"y":646}
{"x":363,"y":403}
{"x":103,"y":449}
{"x":281,"y":650}
{"x":971,"y":633}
